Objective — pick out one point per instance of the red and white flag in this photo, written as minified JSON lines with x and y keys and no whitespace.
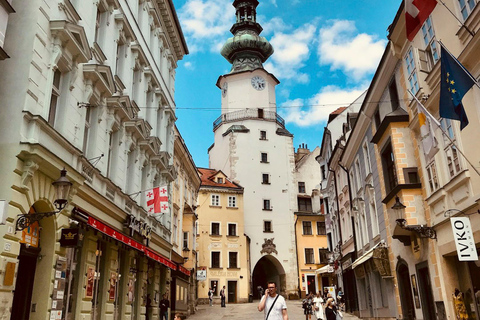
{"x":416,"y":12}
{"x":157,"y":200}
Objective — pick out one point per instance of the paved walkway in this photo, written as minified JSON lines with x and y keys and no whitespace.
{"x":248,"y":311}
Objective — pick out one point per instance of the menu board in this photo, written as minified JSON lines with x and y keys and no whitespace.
{"x":58,"y":288}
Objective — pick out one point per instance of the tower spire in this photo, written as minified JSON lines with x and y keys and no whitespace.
{"x":246,"y":50}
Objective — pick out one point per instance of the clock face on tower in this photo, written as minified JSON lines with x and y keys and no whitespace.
{"x":258,"y":83}
{"x":224,"y":89}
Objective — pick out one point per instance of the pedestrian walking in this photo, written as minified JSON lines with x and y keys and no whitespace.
{"x":272,"y":304}
{"x":210,"y":296}
{"x":340,"y":301}
{"x":307,"y":306}
{"x":330,"y":312}
{"x":222,"y":297}
{"x":318,"y":305}
{"x":325,"y":294}
{"x":164,"y":305}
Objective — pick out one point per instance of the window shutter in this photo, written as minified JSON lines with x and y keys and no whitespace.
{"x":422,"y":60}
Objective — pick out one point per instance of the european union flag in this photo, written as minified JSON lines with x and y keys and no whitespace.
{"x":456,"y":81}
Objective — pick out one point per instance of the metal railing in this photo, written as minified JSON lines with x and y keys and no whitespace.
{"x":249,"y":114}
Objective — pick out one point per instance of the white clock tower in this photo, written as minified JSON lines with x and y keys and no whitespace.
{"x":253,"y":147}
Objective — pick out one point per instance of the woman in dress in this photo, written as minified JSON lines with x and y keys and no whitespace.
{"x":308,"y":306}
{"x":318,"y":305}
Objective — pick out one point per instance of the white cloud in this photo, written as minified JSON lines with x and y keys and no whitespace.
{"x":206,"y":23}
{"x":355,"y":54}
{"x":316,"y":110}
{"x":188,"y":65}
{"x":292,"y":50}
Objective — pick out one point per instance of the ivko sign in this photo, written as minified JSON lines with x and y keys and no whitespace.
{"x":464,"y":241}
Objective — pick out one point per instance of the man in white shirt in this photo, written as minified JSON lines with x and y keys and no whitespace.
{"x":279,"y":309}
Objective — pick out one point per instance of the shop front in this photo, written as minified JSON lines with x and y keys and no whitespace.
{"x":179,"y":288}
{"x":460,"y":248}
{"x":109,"y":274}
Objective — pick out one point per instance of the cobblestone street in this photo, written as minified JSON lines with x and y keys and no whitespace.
{"x":249,"y":311}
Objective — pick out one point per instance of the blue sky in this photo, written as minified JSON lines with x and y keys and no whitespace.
{"x":326,"y":52}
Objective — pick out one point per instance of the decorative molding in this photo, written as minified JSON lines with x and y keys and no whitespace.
{"x":29,"y":168}
{"x":269,"y":247}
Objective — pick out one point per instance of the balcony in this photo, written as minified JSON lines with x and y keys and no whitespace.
{"x":248,"y":114}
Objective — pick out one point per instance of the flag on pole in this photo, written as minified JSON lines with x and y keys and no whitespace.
{"x":416,"y":12}
{"x":157,"y":200}
{"x":456,"y":81}
{"x":429,"y":142}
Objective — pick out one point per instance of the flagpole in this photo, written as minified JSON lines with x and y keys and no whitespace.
{"x":455,"y":16}
{"x":446,"y":135}
{"x":461,"y":65}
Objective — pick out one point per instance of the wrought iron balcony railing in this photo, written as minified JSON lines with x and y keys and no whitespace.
{"x":248,"y":114}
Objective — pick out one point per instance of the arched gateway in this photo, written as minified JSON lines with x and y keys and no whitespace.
{"x":267,"y":269}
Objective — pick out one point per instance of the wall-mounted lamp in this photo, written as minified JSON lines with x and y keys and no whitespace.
{"x":62,"y":189}
{"x":423,"y":231}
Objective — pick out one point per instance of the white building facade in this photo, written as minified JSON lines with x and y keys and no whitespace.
{"x":89,"y":87}
{"x":254,"y":149}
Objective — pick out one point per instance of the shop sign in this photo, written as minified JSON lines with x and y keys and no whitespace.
{"x":202,"y":274}
{"x":464,"y":241}
{"x":31,"y":235}
{"x":71,"y":237}
{"x":136,"y":225}
{"x":347,"y":264}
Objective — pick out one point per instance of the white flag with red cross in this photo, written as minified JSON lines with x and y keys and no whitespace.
{"x":157,"y":200}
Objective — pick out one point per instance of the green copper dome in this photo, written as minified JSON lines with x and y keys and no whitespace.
{"x":246,"y":50}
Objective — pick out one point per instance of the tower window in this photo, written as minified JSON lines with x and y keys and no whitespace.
{"x":266,"y":204}
{"x":267,"y":226}
{"x":264,"y":158}
{"x":265,"y":178}
{"x":301,"y":187}
{"x":263,"y":135}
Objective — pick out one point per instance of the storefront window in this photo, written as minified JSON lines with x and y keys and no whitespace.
{"x":68,"y":312}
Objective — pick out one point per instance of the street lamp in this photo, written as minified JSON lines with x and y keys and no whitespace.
{"x":423,"y":231}
{"x":62,"y":189}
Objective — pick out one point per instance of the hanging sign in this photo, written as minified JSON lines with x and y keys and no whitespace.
{"x":202,"y":274}
{"x":71,"y":237}
{"x":464,"y":241}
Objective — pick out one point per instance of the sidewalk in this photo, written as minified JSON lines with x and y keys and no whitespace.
{"x":248,"y":311}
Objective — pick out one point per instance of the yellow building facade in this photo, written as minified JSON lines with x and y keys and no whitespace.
{"x":312,"y":249}
{"x":222,"y":246}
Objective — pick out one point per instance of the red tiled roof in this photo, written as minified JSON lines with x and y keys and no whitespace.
{"x":208,"y":179}
{"x":339,"y":110}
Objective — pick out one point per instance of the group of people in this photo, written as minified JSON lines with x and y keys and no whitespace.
{"x":222,"y":297}
{"x":323,"y":306}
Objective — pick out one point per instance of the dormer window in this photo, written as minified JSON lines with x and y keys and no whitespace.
{"x":219,"y":180}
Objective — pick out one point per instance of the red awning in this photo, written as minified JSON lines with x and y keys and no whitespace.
{"x":184,"y":270}
{"x":130,"y":242}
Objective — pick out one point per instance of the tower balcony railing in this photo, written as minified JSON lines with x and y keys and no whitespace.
{"x":248,"y":114}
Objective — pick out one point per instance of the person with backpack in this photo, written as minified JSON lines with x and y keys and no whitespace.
{"x":272,"y":304}
{"x":222,"y":296}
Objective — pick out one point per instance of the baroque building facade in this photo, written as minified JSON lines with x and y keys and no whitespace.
{"x":413,"y":268}
{"x":223,"y":247}
{"x":89,"y":87}
{"x":184,"y":218}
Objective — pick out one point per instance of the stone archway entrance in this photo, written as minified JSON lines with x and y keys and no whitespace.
{"x":267,"y":269}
